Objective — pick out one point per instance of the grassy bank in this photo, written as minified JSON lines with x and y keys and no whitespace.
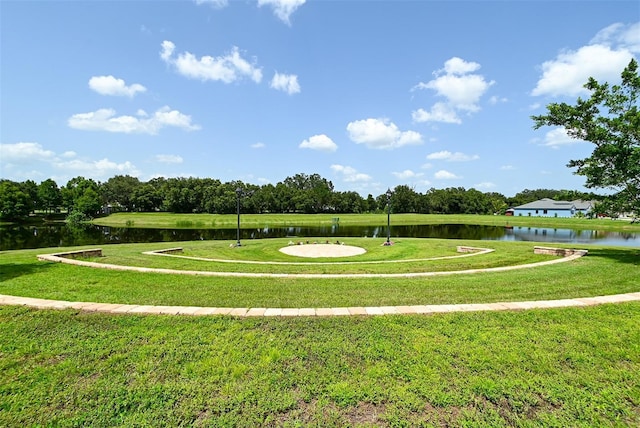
{"x":606,"y":270}
{"x":213,"y":221}
{"x":569,"y":367}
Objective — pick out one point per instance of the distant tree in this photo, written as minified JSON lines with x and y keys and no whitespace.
{"x":498,"y":202}
{"x":610,"y":119}
{"x":310,"y":193}
{"x":263,"y":199}
{"x":404,"y":199}
{"x":119,"y":191}
{"x":31,"y":189}
{"x":370,"y":203}
{"x":348,"y":202}
{"x":83,"y":195}
{"x":49,"y":196}
{"x":89,"y":203}
{"x":147,"y":197}
{"x":476,"y":202}
{"x":15,"y":203}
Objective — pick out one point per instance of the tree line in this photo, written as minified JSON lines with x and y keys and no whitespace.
{"x":302,"y":193}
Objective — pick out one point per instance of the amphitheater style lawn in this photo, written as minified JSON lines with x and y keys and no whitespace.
{"x":552,"y":367}
{"x":606,"y":270}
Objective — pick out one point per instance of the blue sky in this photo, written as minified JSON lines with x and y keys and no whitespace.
{"x":368,"y":94}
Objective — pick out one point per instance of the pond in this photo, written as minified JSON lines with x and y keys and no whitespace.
{"x":60,"y":235}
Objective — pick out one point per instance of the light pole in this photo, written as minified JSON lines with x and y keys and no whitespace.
{"x":389,"y":193}
{"x":238,"y":193}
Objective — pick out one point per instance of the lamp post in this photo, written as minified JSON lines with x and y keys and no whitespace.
{"x":389,"y":193}
{"x":238,"y":193}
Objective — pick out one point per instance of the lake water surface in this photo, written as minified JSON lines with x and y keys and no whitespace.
{"x":60,"y":235}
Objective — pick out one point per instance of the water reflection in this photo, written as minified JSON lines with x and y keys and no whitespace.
{"x":540,"y":234}
{"x":61,"y":235}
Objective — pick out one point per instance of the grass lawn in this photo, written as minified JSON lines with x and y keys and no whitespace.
{"x":606,"y":270}
{"x":263,"y":256}
{"x":555,"y":367}
{"x":229,"y":221}
{"x":569,"y":367}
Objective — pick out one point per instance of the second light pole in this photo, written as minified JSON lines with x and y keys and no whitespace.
{"x":238,"y":193}
{"x":389,"y":193}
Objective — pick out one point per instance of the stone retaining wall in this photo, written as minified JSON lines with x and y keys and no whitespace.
{"x":80,"y":254}
{"x":465,"y":249}
{"x":176,"y":250}
{"x":562,"y":252}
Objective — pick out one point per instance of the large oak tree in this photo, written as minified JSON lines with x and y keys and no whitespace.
{"x":610,"y":119}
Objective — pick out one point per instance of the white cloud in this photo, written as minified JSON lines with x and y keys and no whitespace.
{"x":286,"y":82}
{"x":106,"y":120}
{"x":457,"y":65}
{"x":320,"y":143}
{"x":485,"y":185}
{"x":14,"y":158}
{"x":567,"y":74}
{"x":558,"y":137}
{"x":167,"y":50}
{"x":350,"y":174}
{"x":445,"y":175}
{"x":603,"y":59}
{"x":169,"y":159}
{"x":109,"y":85}
{"x":407,"y":174}
{"x":99,"y":169}
{"x":452,"y":157}
{"x":461,"y":90}
{"x":507,"y":167}
{"x":258,"y":146}
{"x":624,"y":36}
{"x":21,"y":152}
{"x":495,"y":100}
{"x":381,"y":134}
{"x":440,"y":112}
{"x":282,"y":8}
{"x":218,"y":4}
{"x":228,"y":68}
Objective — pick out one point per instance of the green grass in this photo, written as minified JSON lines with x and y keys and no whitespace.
{"x":407,"y":255}
{"x":229,"y":221}
{"x":606,"y":270}
{"x":577,"y":367}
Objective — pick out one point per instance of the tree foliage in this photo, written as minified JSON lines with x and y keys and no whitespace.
{"x":82,"y":195}
{"x":49,"y":196}
{"x":610,"y":119}
{"x":301,"y":193}
{"x":15,"y":204}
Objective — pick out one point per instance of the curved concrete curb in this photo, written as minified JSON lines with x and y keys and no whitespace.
{"x":69,"y":258}
{"x":114,"y":308}
{"x":175,"y":253}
